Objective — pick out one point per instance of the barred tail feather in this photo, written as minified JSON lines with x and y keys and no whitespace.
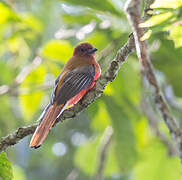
{"x":45,"y":125}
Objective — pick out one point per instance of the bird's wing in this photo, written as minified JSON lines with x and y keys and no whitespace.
{"x":72,"y":83}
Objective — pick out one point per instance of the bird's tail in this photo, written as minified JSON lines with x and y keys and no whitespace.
{"x":48,"y":119}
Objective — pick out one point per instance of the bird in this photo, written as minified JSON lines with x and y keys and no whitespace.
{"x":76,"y":78}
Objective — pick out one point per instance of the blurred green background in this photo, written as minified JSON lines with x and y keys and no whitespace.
{"x":36,"y":38}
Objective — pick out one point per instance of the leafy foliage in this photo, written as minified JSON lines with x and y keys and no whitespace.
{"x":54,"y":50}
{"x":6,"y":172}
{"x":167,"y":18}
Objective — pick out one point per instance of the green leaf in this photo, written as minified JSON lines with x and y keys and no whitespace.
{"x":30,"y":103}
{"x":31,"y":21}
{"x":146,"y":35}
{"x":166,"y":4}
{"x":142,"y":132}
{"x":125,"y":145}
{"x":6,"y":172}
{"x":6,"y":14}
{"x":104,"y":5}
{"x":157,"y":19}
{"x":57,"y":49}
{"x":176,"y":35}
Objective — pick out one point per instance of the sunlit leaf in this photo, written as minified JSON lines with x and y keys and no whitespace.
{"x":32,"y":22}
{"x":176,"y":35}
{"x":57,"y":49}
{"x":15,"y":43}
{"x":157,"y":19}
{"x":142,"y":133}
{"x":166,"y":4}
{"x":6,"y":14}
{"x":6,"y":172}
{"x":108,"y":90}
{"x":146,"y":35}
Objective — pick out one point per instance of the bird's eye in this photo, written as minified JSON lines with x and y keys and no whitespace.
{"x":82,"y":49}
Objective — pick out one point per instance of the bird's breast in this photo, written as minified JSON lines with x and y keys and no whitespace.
{"x":97,"y":70}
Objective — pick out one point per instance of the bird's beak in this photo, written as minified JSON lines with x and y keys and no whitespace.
{"x":90,"y":51}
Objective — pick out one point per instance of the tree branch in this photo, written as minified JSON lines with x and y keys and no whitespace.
{"x":133,"y":12}
{"x":88,"y":99}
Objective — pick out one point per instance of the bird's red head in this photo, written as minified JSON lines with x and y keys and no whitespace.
{"x":84,"y":49}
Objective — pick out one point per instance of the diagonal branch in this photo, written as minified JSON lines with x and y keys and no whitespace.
{"x":133,"y":13}
{"x":88,"y":99}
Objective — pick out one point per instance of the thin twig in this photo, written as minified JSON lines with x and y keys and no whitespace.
{"x":133,"y":12}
